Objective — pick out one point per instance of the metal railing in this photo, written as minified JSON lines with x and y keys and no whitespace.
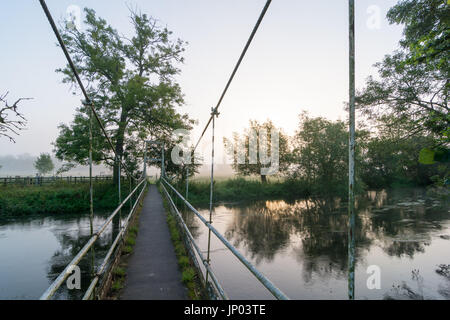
{"x":276,"y":292}
{"x":101,"y":270}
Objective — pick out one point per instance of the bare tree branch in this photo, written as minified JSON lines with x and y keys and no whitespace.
{"x":11,"y":120}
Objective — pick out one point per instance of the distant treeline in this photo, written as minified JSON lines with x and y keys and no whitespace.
{"x":314,"y":161}
{"x":23,"y":165}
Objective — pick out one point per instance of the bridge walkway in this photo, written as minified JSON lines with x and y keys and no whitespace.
{"x":153,"y":272}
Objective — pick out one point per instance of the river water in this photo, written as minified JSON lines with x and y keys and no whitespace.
{"x":35,"y":250}
{"x":301,"y":246}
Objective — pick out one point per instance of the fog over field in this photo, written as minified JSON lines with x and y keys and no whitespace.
{"x":23,"y":165}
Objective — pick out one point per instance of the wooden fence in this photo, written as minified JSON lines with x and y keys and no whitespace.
{"x":28,"y":181}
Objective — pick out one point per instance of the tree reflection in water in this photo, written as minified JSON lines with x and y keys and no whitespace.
{"x":72,"y":236}
{"x":401,"y":223}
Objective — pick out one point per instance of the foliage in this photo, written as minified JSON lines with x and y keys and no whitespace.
{"x":320,"y":156}
{"x":44,"y":163}
{"x":65,"y":168}
{"x":242,"y":189}
{"x":131,"y":85}
{"x":414,"y":81}
{"x":189,"y":274}
{"x":58,"y":198}
{"x":413,"y":85}
{"x":239,"y":148}
{"x":426,"y":32}
{"x":172,"y":169}
{"x":391,"y":161}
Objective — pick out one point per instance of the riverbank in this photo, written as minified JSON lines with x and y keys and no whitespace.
{"x":241,"y":189}
{"x":58,"y":198}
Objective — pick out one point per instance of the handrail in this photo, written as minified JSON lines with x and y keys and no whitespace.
{"x":69,"y":268}
{"x":199,"y":252}
{"x":277,"y":293}
{"x":119,"y":236}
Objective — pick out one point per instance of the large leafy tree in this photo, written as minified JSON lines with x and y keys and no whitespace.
{"x":413,"y":84}
{"x":320,"y":155}
{"x":240,"y":147}
{"x":131,"y":81}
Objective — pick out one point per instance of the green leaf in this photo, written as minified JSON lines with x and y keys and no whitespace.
{"x":426,"y":156}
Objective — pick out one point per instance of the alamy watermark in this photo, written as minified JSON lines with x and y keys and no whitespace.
{"x":74,"y":279}
{"x":259,"y":150}
{"x":73,"y":17}
{"x":373,"y":22}
{"x":374,"y":280}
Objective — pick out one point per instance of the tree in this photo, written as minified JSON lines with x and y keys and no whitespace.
{"x":391,"y":159}
{"x":413,"y":86}
{"x":413,"y":82}
{"x":44,"y":163}
{"x":11,"y":120}
{"x":320,"y":155}
{"x":172,"y":169}
{"x":259,"y":138}
{"x":65,"y":168}
{"x":131,"y":84}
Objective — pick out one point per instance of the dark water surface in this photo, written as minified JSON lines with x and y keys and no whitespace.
{"x":300,"y":246}
{"x":34,"y":251}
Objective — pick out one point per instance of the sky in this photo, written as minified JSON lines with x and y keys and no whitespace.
{"x":298,"y":60}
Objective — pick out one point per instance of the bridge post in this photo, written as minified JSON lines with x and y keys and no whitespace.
{"x":120,"y":195}
{"x":351,"y":150}
{"x":163,"y":173}
{"x":187,"y":182}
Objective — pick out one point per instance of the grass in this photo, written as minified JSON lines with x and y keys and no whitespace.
{"x":242,"y":189}
{"x":189,"y":276}
{"x":119,"y":272}
{"x":58,"y":198}
{"x":238,"y":189}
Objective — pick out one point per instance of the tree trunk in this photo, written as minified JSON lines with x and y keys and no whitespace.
{"x":119,"y":144}
{"x":263,"y":179}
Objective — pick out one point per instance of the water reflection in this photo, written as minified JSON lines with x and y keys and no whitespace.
{"x":37,"y":249}
{"x":314,"y":232}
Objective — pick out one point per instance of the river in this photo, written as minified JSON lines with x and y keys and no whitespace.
{"x":35,"y":250}
{"x":301,"y":246}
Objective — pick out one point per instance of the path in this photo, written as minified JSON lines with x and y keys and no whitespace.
{"x":153,"y":272}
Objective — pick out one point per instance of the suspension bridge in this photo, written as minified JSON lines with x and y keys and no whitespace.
{"x":153,"y":272}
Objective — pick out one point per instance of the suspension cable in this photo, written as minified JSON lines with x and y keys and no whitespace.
{"x":249,"y":41}
{"x":89,"y":102}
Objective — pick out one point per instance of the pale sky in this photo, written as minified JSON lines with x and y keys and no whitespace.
{"x":298,"y":60}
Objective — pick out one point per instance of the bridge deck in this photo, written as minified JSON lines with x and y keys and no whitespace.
{"x":153,"y":272}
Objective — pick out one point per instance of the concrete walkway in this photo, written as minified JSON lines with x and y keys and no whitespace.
{"x":153,"y":272}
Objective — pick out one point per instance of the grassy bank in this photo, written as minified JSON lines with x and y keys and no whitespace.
{"x":240,"y":189}
{"x":58,"y":198}
{"x":247,"y":189}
